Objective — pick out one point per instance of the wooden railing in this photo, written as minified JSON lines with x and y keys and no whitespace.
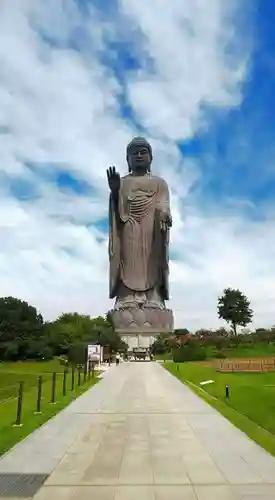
{"x":245,"y":365}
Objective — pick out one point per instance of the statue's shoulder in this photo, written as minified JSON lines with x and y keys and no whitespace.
{"x":159,"y":181}
{"x":125,"y":177}
{"x":126,"y":181}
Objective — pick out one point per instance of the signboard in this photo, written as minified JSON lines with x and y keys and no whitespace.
{"x":94,"y":353}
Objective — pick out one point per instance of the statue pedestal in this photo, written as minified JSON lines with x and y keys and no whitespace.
{"x":140,"y":326}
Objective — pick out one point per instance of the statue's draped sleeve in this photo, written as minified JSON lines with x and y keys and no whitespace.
{"x":162,"y":237}
{"x":114,"y":246}
{"x":163,"y":199}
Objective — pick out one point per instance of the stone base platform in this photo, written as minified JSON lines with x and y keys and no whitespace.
{"x":138,"y":340}
{"x":142,"y":319}
{"x":140,"y":326}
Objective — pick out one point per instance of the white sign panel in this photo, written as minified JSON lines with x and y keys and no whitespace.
{"x":94,"y":352}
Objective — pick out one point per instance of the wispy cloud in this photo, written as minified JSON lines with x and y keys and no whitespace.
{"x":77,"y":80}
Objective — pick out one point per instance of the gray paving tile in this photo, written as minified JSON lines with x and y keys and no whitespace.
{"x":94,"y":493}
{"x":258,"y":497}
{"x":254,"y":490}
{"x":175,"y":493}
{"x":237,"y":471}
{"x":169,"y":471}
{"x":135,"y":493}
{"x":135,"y":468}
{"x":209,"y":474}
{"x":215,"y":493}
{"x":58,"y":492}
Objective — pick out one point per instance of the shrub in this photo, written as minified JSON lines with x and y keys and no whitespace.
{"x":220,"y":355}
{"x":77,"y":354}
{"x":190,"y":351}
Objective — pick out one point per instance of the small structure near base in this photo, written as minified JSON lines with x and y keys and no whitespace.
{"x":94,"y":354}
{"x":140,"y":352}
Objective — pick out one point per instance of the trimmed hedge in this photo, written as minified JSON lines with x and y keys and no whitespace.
{"x":190,"y":351}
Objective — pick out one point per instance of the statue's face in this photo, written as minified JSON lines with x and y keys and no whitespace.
{"x":139,"y":159}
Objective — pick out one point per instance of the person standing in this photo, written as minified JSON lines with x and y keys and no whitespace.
{"x":117,"y":359}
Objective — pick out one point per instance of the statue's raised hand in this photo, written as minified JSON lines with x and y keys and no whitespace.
{"x":113,"y":179}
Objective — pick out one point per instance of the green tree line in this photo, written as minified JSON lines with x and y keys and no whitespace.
{"x":25,"y":335}
{"x":234,"y":308}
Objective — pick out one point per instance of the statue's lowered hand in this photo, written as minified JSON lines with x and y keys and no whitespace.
{"x":165,"y":221}
{"x":113,"y":180}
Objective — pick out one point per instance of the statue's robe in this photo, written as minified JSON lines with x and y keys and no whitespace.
{"x":138,"y":249}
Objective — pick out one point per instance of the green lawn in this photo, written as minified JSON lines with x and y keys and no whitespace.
{"x":165,"y":356}
{"x":32,"y":367}
{"x":251,"y":406}
{"x":246,"y":351}
{"x":242,"y":351}
{"x":11,"y":374}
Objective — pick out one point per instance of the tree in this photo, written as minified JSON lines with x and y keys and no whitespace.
{"x":159,"y":346}
{"x":21,"y":329}
{"x":265,"y":335}
{"x":180,"y":332}
{"x":73,"y":329}
{"x":234,"y":308}
{"x":60,"y":337}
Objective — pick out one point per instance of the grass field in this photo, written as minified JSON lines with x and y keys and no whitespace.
{"x":242,"y":351}
{"x":251,"y":406}
{"x":11,"y":374}
{"x":246,"y":351}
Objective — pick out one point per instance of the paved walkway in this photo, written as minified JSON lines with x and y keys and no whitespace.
{"x":142,"y":435}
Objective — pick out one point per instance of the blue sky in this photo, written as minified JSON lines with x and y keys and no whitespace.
{"x":78,"y":80}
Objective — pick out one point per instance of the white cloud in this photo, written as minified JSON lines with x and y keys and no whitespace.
{"x":61,"y":107}
{"x":186,"y":42}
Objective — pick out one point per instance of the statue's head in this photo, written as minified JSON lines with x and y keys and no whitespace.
{"x":139,"y":155}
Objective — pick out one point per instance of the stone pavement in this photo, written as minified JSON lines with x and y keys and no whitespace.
{"x":140,"y":434}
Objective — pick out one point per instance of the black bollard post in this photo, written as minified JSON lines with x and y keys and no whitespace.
{"x":227,"y":392}
{"x":93,"y":370}
{"x":79,"y":376}
{"x":39,"y":395}
{"x":18,"y":422}
{"x":85,"y":373}
{"x":178,"y":368}
{"x":89,"y":373}
{"x":64,"y":386}
{"x":72,"y":382}
{"x":53,"y":388}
